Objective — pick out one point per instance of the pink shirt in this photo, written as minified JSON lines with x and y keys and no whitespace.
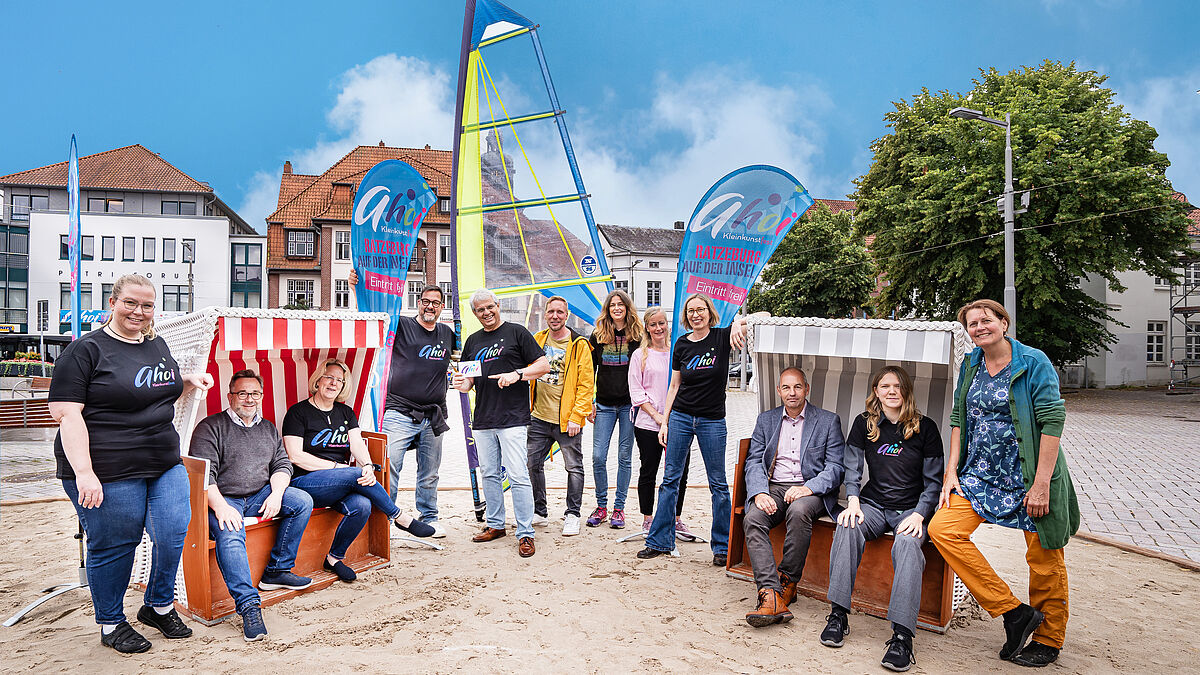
{"x":648,"y":384}
{"x":789,"y":452}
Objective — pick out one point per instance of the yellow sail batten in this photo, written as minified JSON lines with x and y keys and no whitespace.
{"x":483,"y":126}
{"x":502,"y":37}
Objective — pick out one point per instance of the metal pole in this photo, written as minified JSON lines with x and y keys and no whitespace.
{"x":191,"y":286}
{"x":1010,"y":274}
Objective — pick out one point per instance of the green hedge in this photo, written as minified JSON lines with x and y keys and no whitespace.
{"x":26,"y":369}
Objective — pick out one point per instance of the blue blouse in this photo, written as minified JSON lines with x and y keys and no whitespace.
{"x":992,"y":480}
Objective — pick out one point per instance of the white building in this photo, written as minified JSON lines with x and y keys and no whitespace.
{"x":644,"y":262}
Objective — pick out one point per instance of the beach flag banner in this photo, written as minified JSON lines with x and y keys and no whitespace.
{"x":392,"y":202}
{"x":731,"y":235}
{"x":73,"y":235}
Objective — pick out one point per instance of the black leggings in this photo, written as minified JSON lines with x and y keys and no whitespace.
{"x":650,"y":452}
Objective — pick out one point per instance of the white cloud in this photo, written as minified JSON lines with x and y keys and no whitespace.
{"x":1171,"y":105}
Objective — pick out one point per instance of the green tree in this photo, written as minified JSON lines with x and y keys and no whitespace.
{"x":821,"y":268}
{"x":1101,"y":203}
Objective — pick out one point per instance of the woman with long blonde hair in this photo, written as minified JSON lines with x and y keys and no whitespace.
{"x":618,"y":334}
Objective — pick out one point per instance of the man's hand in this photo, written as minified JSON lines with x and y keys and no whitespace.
{"x":91,"y":492}
{"x":573,"y":429}
{"x":271,"y":506}
{"x":852,"y":516}
{"x":506,"y":379}
{"x":592,"y":416}
{"x":796,"y":492}
{"x":368,"y":476}
{"x":912,"y":525}
{"x":765,"y":504}
{"x":462,"y":383}
{"x":228,"y":518}
{"x":1037,"y":500}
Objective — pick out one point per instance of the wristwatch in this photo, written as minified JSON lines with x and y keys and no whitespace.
{"x":520,"y":374}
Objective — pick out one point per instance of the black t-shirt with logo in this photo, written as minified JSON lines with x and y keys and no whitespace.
{"x":326,"y":434}
{"x":612,"y":368}
{"x":704,"y":370}
{"x":503,"y":350}
{"x":895,"y":464}
{"x":128,"y":392}
{"x":420,"y":360}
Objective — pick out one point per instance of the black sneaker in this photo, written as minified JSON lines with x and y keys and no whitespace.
{"x":648,"y":553}
{"x":125,"y":639}
{"x":253,"y":628}
{"x":837,"y":627}
{"x":1036,"y":655}
{"x":720,"y":560}
{"x":899,"y":654}
{"x":1019,"y":624}
{"x":271,"y":581}
{"x":169,"y":624}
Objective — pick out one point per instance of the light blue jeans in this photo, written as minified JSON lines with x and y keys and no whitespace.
{"x":710,"y":434}
{"x":500,"y":451}
{"x":608,"y":417}
{"x":401,"y":431}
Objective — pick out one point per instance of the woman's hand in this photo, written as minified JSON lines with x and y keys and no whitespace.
{"x":949,"y":484}
{"x":592,"y":416}
{"x":1037,"y":500}
{"x":852,"y":516}
{"x":353,"y":278}
{"x":368,"y":476}
{"x":662,"y":435}
{"x":91,"y":492}
{"x":201,"y":381}
{"x":912,"y":525}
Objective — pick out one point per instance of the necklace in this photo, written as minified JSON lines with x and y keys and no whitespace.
{"x":108,"y":329}
{"x":328,"y":417}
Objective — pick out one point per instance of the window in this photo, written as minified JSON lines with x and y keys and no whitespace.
{"x":341,"y":245}
{"x":506,"y":252}
{"x":443,"y":248}
{"x":621,"y":285}
{"x":653,"y":293}
{"x":148,"y":246}
{"x":246,"y":299}
{"x":105,"y":205}
{"x":1161,"y":282}
{"x":299,"y":244}
{"x":173,"y":208}
{"x":64,"y":249}
{"x":1191,"y":274}
{"x":86,"y":252}
{"x":16,"y":296}
{"x":446,"y":291}
{"x":1156,"y":338}
{"x":443,"y":205}
{"x":341,"y":294}
{"x":23,"y":204}
{"x":176,"y":299}
{"x":414,"y":293}
{"x":189,"y":251}
{"x":108,"y":248}
{"x":247,"y":262}
{"x":1192,"y":341}
{"x":300,"y":292}
{"x":85,"y":296}
{"x":128,"y":248}
{"x":168,"y":250}
{"x":105,"y":294}
{"x":18,"y":241}
{"x":653,"y":264}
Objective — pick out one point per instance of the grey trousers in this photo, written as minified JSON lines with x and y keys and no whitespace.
{"x":542,"y":436}
{"x":799,"y":515}
{"x":908,"y":563}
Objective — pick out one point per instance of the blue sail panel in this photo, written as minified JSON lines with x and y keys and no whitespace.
{"x":489,"y":13}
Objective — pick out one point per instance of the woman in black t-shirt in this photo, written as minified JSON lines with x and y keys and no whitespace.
{"x":902,"y":451}
{"x":113,"y":394}
{"x":321,"y":435}
{"x":695,"y":408}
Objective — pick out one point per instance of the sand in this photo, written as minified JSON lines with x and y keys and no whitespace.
{"x":581,"y":604}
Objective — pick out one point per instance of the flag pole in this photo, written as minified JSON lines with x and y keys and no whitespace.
{"x":73,"y":238}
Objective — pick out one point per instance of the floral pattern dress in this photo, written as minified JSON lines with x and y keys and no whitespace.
{"x":992,"y":479}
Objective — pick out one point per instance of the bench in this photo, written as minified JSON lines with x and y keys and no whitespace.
{"x":208,"y":599}
{"x":873,"y":586}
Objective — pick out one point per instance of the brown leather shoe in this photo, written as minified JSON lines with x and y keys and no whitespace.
{"x":488,"y":534}
{"x":788,"y":585}
{"x":525,"y":547}
{"x":770,"y":610}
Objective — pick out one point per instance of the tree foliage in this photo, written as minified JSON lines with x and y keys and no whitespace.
{"x":821,"y":268}
{"x":1101,"y":203}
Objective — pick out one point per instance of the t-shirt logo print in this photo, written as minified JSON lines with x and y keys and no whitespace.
{"x":489,"y":353}
{"x":436,"y":352}
{"x":158,"y":375}
{"x":702,"y":361}
{"x":889,"y":449}
{"x":331,"y":438}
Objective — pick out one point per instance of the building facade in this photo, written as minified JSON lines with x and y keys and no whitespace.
{"x":309,"y":256}
{"x":138,"y":215}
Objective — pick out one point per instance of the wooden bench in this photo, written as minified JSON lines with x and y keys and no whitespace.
{"x":872,"y":587}
{"x":208,"y":599}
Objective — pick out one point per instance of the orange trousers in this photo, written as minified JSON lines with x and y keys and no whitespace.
{"x":950,"y":530}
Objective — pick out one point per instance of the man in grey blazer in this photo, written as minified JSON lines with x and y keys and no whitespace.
{"x":793,"y":472}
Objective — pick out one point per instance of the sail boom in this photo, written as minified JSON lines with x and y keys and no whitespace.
{"x":504,"y":36}
{"x":512,"y":120}
{"x":488,"y":208}
{"x":533,"y":288}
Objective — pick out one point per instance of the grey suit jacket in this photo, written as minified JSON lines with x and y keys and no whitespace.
{"x":823,"y":445}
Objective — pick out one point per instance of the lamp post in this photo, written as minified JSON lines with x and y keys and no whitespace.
{"x":190,"y":252}
{"x":1010,"y":275}
{"x":633,"y":277}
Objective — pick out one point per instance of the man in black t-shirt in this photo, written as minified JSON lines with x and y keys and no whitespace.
{"x":509,"y":358}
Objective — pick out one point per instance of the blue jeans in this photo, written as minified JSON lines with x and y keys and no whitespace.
{"x":681,"y":429}
{"x":339,"y":488}
{"x":294,"y":510}
{"x":114,"y":529}
{"x":607,"y":417}
{"x":506,"y":448}
{"x":401,"y":431}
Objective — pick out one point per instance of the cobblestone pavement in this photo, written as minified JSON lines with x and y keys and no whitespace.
{"x":1134,"y":455}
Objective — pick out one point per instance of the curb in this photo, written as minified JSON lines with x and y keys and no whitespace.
{"x":1190,"y":565}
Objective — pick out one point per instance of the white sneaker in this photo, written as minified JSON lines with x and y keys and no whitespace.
{"x":439,"y":532}
{"x":570,"y":525}
{"x":540,"y":521}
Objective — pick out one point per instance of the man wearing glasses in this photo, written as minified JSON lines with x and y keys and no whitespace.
{"x":248,"y":475}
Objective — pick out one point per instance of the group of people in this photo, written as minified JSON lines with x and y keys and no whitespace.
{"x":118,"y":457}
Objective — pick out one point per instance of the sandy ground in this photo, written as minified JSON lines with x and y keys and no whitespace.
{"x":581,"y":604}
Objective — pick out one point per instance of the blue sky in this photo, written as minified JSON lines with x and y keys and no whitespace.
{"x":663,"y":98}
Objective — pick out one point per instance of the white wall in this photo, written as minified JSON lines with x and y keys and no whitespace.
{"x":1125,"y":362}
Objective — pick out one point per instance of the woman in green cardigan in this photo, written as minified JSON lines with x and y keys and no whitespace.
{"x":1009,"y":414}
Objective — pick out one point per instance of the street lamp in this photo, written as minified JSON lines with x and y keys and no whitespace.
{"x":190,"y":252}
{"x":1010,"y":276}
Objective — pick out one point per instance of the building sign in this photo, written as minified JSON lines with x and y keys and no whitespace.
{"x":85,"y":316}
{"x":588,"y":265}
{"x":8,"y":327}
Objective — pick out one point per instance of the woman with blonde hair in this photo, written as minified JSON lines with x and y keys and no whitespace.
{"x":902,"y":452}
{"x":113,"y":394}
{"x":618,"y":334}
{"x":321,"y":434}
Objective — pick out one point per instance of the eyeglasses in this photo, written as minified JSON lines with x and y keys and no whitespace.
{"x":131,"y":305}
{"x":335,"y":380}
{"x":697,"y":311}
{"x":253,"y":395}
{"x":430,"y":303}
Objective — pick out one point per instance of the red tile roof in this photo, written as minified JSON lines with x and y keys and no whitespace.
{"x":836,"y":205}
{"x":1192,"y":215}
{"x":132,"y":167}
